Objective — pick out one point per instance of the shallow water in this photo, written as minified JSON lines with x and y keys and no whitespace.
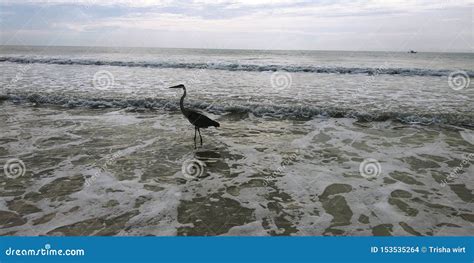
{"x":310,"y":142}
{"x":119,"y":172}
{"x":363,"y":85}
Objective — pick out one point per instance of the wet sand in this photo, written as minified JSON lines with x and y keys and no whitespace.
{"x":120,"y":172}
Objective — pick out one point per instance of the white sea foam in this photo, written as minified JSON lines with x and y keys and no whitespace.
{"x":235,"y":67}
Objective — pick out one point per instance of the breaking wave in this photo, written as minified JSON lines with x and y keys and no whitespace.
{"x":259,"y":110}
{"x":235,"y":67}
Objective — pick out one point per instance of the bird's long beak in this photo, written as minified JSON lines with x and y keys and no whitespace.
{"x":180,"y":86}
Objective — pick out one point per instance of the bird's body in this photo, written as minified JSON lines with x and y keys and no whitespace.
{"x":197,"y":119}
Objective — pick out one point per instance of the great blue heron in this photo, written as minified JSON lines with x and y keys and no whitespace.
{"x":195,"y":118}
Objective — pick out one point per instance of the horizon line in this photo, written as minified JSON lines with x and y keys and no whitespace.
{"x":247,"y":49}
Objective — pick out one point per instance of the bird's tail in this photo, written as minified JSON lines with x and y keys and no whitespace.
{"x":215,"y":124}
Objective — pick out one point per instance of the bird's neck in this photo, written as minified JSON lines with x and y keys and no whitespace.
{"x":181,"y":102}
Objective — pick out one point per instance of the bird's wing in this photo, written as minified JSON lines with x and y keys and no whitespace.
{"x":200,"y":120}
{"x":195,"y":114}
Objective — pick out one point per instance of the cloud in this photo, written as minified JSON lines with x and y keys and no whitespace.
{"x":299,"y":24}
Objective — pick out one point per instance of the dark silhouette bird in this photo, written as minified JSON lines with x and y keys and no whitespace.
{"x":195,"y":118}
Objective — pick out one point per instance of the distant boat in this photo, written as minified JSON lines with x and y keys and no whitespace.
{"x":412,"y":52}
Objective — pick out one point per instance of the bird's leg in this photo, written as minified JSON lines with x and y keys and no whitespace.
{"x":200,"y":135}
{"x":195,"y":137}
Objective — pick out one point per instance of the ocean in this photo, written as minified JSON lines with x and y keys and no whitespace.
{"x":310,"y":142}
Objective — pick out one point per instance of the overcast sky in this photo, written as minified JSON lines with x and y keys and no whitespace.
{"x":393,"y":25}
